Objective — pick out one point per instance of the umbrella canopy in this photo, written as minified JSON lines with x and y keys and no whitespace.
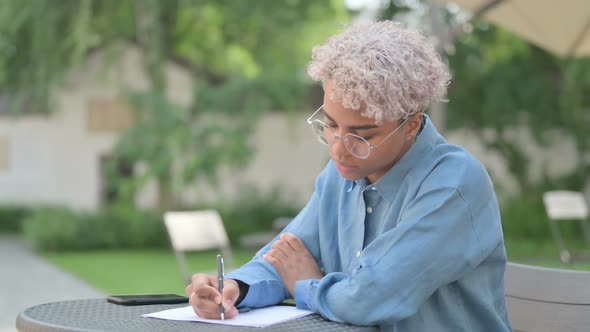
{"x":561,"y":27}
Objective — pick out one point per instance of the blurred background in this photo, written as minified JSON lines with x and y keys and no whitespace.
{"x":113,"y":112}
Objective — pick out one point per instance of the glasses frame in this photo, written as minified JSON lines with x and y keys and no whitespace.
{"x":311,"y":121}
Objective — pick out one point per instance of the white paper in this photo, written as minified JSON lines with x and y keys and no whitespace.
{"x":255,"y":318}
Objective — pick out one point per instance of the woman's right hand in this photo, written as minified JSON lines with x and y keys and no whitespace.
{"x":205,"y":298}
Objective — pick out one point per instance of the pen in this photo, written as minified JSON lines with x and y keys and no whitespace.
{"x":220,"y":283}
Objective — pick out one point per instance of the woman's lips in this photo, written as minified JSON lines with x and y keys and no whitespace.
{"x":345,"y":168}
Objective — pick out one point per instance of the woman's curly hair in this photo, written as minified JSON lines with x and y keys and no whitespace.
{"x":386,"y":69}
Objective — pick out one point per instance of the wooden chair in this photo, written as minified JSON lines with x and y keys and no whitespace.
{"x":543,"y":299}
{"x":566,"y":205}
{"x":194,"y":231}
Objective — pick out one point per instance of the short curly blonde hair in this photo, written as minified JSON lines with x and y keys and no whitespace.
{"x":386,"y":69}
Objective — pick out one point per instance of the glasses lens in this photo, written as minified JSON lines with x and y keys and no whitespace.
{"x":357,"y":146}
{"x":320,"y":130}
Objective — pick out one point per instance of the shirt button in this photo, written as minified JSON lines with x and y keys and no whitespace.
{"x":369,"y":210}
{"x":358,"y":253}
{"x":373,"y":188}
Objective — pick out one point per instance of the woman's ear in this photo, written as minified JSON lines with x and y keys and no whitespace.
{"x":413,"y":125}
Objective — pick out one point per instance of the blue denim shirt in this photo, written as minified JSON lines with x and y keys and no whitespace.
{"x":419,"y":250}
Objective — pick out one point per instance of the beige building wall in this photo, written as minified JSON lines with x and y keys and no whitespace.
{"x":288,"y":157}
{"x":55,"y":159}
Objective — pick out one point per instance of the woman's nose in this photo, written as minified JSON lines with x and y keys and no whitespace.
{"x":338,"y":148}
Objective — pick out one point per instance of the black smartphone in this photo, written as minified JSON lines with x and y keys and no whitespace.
{"x":141,"y":299}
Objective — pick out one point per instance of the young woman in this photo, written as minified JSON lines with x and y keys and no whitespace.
{"x":403,"y":230}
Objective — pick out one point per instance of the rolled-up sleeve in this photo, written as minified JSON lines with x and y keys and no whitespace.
{"x":436,"y":241}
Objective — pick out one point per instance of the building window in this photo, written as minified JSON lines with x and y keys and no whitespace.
{"x":108,"y":116}
{"x":111,"y":167}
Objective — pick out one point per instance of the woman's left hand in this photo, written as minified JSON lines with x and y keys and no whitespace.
{"x":293,"y":261}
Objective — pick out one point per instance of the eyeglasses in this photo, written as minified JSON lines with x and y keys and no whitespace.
{"x":355,"y":144}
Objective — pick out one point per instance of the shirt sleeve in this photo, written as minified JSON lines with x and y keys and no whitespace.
{"x":266,"y":286}
{"x":437,"y":240}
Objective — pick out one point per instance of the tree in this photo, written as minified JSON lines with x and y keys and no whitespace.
{"x":246,"y":57}
{"x":502,"y":82}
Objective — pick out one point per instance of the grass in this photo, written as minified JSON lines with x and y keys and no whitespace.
{"x":137,"y":271}
{"x":156,"y":270}
{"x":545,"y":253}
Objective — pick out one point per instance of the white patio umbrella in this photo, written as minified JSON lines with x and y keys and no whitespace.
{"x":561,"y":27}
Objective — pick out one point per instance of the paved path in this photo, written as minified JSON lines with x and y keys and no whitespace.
{"x":27,"y":280}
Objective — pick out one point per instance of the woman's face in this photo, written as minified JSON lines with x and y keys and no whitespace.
{"x":381,"y":158}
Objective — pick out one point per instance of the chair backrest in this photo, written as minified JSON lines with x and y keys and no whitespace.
{"x":195,"y":230}
{"x":544,"y":299}
{"x":565,"y":205}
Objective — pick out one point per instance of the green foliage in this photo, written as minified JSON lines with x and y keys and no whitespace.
{"x":518,"y":163}
{"x":497,"y":77}
{"x":53,"y":228}
{"x":11,"y":218}
{"x":524,"y":216}
{"x":179,"y":145}
{"x":241,"y":38}
{"x":219,"y":39}
{"x":58,"y":229}
{"x":249,"y":57}
{"x":254,"y":212}
{"x":25,"y":66}
{"x":501,"y":82}
{"x":253,"y":96}
{"x":575,"y":107}
{"x":122,"y":226}
{"x":41,"y":39}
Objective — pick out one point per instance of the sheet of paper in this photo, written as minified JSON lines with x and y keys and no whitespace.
{"x":255,"y":318}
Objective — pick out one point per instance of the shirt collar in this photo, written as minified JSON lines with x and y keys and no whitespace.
{"x":387,"y":186}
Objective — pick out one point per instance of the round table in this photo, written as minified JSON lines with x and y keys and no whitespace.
{"x":99,"y":315}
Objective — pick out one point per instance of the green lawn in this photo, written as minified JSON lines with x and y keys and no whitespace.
{"x":156,"y":271}
{"x":137,"y":271}
{"x":544,"y":253}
